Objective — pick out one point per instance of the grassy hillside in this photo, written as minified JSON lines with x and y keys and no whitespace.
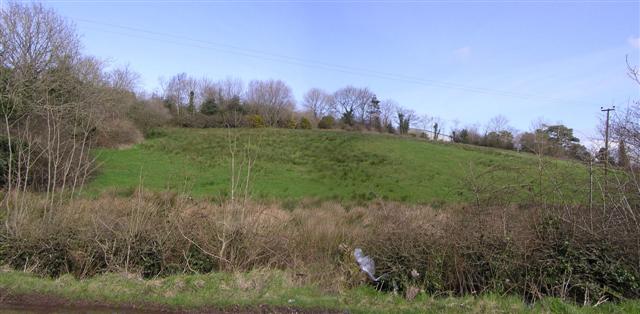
{"x":318,"y":164}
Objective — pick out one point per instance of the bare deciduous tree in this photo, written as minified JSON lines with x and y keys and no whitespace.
{"x":388,"y":110}
{"x":272,"y":99}
{"x":55,"y":103}
{"x":353,"y":100}
{"x":229,"y":88}
{"x":177,"y":89}
{"x":625,"y":124}
{"x":317,"y":102}
{"x":497,"y":124}
{"x":47,"y":95}
{"x":33,"y":39}
{"x":124,"y":78}
{"x":633,"y":72}
{"x":405,"y":119}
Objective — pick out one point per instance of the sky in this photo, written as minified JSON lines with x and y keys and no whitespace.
{"x":463,"y":61}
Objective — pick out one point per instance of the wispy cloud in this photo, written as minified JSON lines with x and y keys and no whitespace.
{"x":634,"y":42}
{"x":462,"y":53}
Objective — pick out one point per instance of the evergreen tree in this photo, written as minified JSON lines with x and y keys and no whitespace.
{"x":436,"y":131}
{"x":407,"y":122}
{"x":401,"y":122}
{"x":462,"y":137}
{"x":209,"y":107}
{"x":235,"y":105}
{"x":348,"y":117}
{"x":191,"y":108}
{"x":390,"y":128}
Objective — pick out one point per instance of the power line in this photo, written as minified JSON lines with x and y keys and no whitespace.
{"x":314,"y":62}
{"x":606,"y":139}
{"x":307,"y":2}
{"x":254,"y":53}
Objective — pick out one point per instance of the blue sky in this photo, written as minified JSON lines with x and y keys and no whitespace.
{"x":457,"y":60}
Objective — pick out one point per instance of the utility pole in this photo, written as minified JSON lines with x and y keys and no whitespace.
{"x":606,"y":139}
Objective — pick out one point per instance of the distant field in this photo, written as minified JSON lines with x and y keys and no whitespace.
{"x":293,"y":164}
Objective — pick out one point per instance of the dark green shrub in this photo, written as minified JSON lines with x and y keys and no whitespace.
{"x":148,"y":254}
{"x":4,"y":159}
{"x":256,"y":121}
{"x":390,"y":128}
{"x":288,"y":123}
{"x":50,"y":255}
{"x":156,"y":133}
{"x":327,"y":122}
{"x":582,"y":265}
{"x":348,"y":118}
{"x":199,"y":261}
{"x":16,"y":145}
{"x":304,"y":124}
{"x":198,"y":120}
{"x":209,"y":107}
{"x":546,"y":258}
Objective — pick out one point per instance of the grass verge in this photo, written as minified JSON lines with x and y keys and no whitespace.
{"x":273,"y":288}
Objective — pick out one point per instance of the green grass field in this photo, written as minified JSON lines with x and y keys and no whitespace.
{"x":293,"y":164}
{"x":324,"y":165}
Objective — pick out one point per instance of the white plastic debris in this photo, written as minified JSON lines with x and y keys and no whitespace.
{"x":367,"y":265}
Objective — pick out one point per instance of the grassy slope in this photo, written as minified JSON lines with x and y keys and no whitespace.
{"x":317,"y":164}
{"x":221,"y":290}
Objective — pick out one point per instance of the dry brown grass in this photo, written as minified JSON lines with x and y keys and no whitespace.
{"x":454,"y":250}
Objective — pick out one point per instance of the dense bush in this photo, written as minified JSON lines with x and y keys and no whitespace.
{"x":327,"y":122}
{"x":304,"y":124}
{"x":4,"y":158}
{"x":119,"y":133}
{"x":471,"y":254}
{"x":209,"y":107}
{"x":256,"y":121}
{"x":289,"y":123}
{"x":390,"y":129}
{"x":498,"y":139}
{"x":197,"y":120}
{"x":456,"y":250}
{"x":148,"y":115}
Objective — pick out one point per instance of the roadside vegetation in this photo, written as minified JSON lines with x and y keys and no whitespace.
{"x":271,"y":291}
{"x":533,"y":252}
{"x":210,"y":190}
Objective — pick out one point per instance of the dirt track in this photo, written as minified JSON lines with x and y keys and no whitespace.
{"x":41,"y":303}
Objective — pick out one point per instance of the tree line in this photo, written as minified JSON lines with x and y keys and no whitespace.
{"x":270,"y":103}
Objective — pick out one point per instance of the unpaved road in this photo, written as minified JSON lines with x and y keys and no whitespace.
{"x":40,"y":303}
